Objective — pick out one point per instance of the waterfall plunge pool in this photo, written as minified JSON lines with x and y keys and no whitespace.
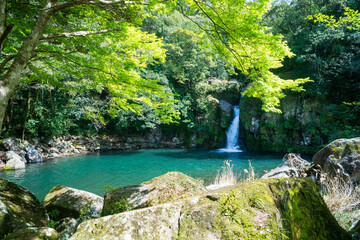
{"x":120,"y":169}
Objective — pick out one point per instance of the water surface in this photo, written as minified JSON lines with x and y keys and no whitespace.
{"x":119,"y":169}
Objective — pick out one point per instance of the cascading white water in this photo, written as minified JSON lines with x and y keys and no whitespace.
{"x":232,"y":135}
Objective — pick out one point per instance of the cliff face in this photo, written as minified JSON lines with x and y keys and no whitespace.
{"x":304,"y":125}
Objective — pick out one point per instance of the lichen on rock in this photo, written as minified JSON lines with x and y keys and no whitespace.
{"x":339,"y":155}
{"x":34,"y":233}
{"x":263,"y":209}
{"x":19,"y":208}
{"x":71,"y":202}
{"x":166,"y":188}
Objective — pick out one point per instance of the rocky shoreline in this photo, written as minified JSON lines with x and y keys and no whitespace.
{"x":14,"y":153}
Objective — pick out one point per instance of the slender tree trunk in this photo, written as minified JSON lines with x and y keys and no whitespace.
{"x":26,"y":114}
{"x":2,"y":16}
{"x":8,"y":84}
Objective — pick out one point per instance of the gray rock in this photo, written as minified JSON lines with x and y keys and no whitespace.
{"x":11,"y":144}
{"x":265,"y":209}
{"x":175,"y":140}
{"x":14,"y":164}
{"x":283,"y":171}
{"x":168,"y":187}
{"x":19,"y":208}
{"x":66,"y":227}
{"x":74,"y":203}
{"x":51,"y":143}
{"x":355,"y":230}
{"x":32,"y":156}
{"x":340,"y":155}
{"x":294,"y":160}
{"x":53,"y":155}
{"x":255,"y":125}
{"x":10,"y":155}
{"x":159,"y":222}
{"x":53,"y":150}
{"x":225,"y":106}
{"x":34,"y":233}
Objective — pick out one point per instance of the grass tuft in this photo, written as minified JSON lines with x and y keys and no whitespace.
{"x":342,"y":198}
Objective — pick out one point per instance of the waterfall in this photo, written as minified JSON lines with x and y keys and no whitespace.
{"x":232,"y":134}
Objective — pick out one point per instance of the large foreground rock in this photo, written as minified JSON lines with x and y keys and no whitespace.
{"x":168,"y":187}
{"x":34,"y":233}
{"x":264,"y":209}
{"x":19,"y":208}
{"x":339,"y":155}
{"x":71,"y":202}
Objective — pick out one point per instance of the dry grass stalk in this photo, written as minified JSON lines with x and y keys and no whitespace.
{"x":342,"y":199}
{"x":226,"y":175}
{"x":295,"y":161}
{"x":249,"y":173}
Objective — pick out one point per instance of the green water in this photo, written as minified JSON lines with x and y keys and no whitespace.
{"x":119,"y":169}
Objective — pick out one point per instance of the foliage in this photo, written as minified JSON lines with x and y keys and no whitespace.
{"x":247,"y":45}
{"x":85,"y":211}
{"x":108,"y":188}
{"x":119,"y":206}
{"x":351,"y":19}
{"x":53,"y":215}
{"x":98,"y":46}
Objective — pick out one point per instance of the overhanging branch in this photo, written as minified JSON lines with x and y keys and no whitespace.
{"x":77,"y":34}
{"x":62,"y":5}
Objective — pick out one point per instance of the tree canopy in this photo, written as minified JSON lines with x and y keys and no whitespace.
{"x":99,"y":46}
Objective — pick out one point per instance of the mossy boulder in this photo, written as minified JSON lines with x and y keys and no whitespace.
{"x":71,"y":202}
{"x":341,"y":154}
{"x":168,"y":187}
{"x":159,"y":222}
{"x":264,"y":209}
{"x":13,"y":161}
{"x":19,"y":208}
{"x":34,"y":233}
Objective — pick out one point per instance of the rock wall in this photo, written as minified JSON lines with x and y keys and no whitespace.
{"x":211,"y":132}
{"x":302,"y":127}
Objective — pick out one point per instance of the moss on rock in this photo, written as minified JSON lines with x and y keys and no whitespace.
{"x":34,"y":233}
{"x":71,"y":202}
{"x":304,"y":212}
{"x":19,"y":208}
{"x":343,"y":154}
{"x":166,"y":188}
{"x":263,"y":209}
{"x":304,"y":126}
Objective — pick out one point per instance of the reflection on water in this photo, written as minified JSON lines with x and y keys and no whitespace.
{"x":14,"y":174}
{"x":121,"y":169}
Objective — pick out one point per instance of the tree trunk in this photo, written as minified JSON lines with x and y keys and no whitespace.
{"x":2,"y":16}
{"x":26,"y":114}
{"x":8,"y":84}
